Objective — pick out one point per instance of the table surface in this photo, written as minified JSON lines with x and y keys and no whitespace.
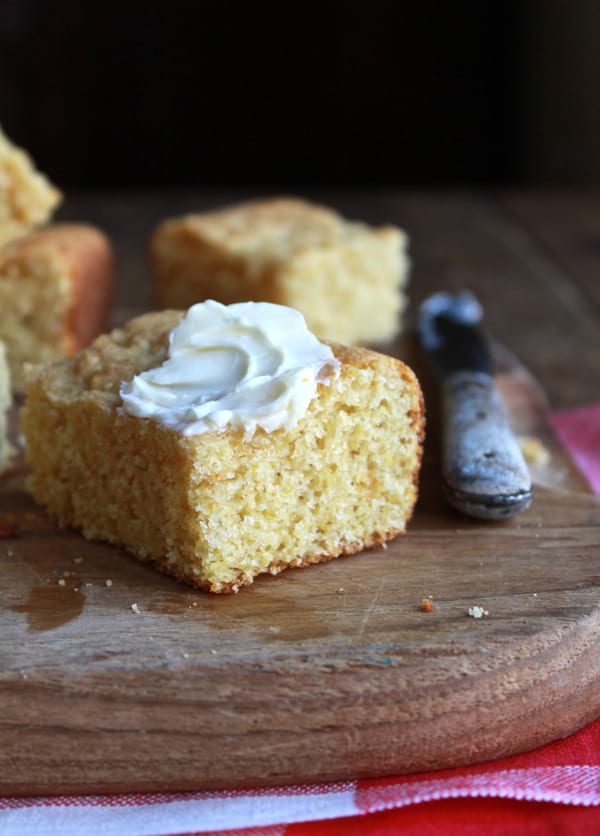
{"x":533,"y":259}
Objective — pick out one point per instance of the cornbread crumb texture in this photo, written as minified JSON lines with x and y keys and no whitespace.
{"x":212,"y":509}
{"x":534,"y":451}
{"x":5,"y":403}
{"x":345,"y":277}
{"x":27,"y":198}
{"x":55,"y":294}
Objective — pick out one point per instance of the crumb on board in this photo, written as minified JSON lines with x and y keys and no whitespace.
{"x":78,"y":560}
{"x":477,"y":612}
{"x":108,"y":582}
{"x":427,"y":604}
{"x":8,"y":525}
{"x":136,"y":609}
{"x":533,"y":450}
{"x":62,"y":575}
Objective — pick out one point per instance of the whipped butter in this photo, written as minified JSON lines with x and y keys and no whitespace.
{"x":241,"y":366}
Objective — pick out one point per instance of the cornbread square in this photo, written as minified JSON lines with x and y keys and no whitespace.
{"x":345,"y":277}
{"x":55,"y":293}
{"x":5,"y":404}
{"x":27,"y":198}
{"x":217,"y":509}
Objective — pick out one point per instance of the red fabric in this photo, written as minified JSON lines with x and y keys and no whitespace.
{"x":579,"y":431}
{"x":461,"y":817}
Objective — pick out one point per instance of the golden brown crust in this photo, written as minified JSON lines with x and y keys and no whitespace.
{"x":97,"y":371}
{"x":269,"y":230}
{"x":344,"y":276}
{"x":69,"y":266}
{"x":258,"y":223}
{"x":274,"y":568}
{"x":92,"y":271}
{"x":82,"y":252}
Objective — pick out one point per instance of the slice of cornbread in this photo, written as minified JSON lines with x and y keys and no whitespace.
{"x":55,"y":292}
{"x":5,"y":403}
{"x":345,"y":277}
{"x":27,"y":199}
{"x":218,"y":508}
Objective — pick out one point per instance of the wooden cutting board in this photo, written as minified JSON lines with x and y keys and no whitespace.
{"x":116,"y":678}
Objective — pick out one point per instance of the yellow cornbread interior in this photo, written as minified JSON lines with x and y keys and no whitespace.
{"x":35,"y":295}
{"x":213,"y":509}
{"x":55,"y":286}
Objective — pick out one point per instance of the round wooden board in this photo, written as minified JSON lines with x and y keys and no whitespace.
{"x":116,"y":678}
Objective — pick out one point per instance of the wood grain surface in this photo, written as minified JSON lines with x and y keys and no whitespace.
{"x":114,"y":677}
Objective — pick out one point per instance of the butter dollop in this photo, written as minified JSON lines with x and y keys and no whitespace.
{"x":241,"y":366}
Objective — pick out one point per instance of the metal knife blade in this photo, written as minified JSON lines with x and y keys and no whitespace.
{"x":483,"y":470}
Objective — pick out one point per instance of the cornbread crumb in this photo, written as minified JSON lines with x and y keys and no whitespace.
{"x":108,"y":582}
{"x":426,"y":605}
{"x":27,"y":199}
{"x":55,"y":292}
{"x":136,"y":609}
{"x":477,"y":612}
{"x":345,"y":277}
{"x":343,"y":480}
{"x":534,"y":451}
{"x":61,"y":582}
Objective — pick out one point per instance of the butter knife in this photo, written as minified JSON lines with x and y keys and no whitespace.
{"x":484,"y":474}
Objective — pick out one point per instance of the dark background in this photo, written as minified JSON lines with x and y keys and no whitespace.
{"x":144,"y":94}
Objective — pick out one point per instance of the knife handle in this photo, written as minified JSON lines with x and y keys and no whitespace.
{"x":484,"y":472}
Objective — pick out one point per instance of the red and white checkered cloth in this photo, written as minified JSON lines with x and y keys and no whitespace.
{"x":560,"y":782}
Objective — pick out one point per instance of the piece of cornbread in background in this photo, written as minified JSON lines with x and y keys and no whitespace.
{"x":5,"y":404}
{"x":216,"y":509}
{"x":55,"y":293}
{"x":345,"y":277}
{"x":27,"y":198}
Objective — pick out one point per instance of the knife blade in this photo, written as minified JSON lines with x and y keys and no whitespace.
{"x":484,"y":474}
